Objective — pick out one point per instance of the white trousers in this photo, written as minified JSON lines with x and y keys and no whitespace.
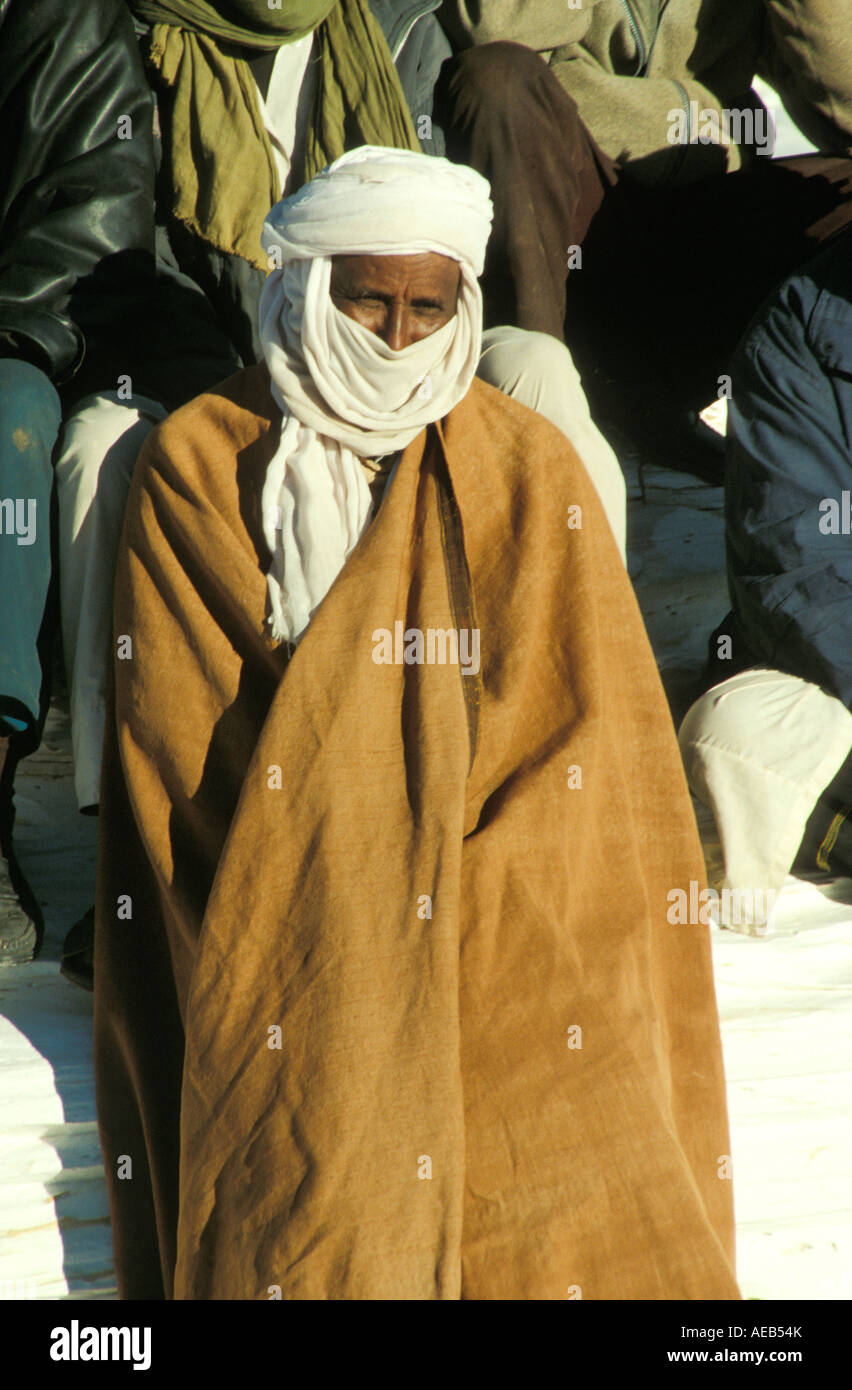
{"x":539,"y":372}
{"x":99,"y":446}
{"x":758,"y":750}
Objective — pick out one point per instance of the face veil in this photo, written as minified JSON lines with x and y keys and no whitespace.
{"x":343,"y":393}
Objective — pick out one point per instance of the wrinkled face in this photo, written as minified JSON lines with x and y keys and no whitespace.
{"x":400,"y":298}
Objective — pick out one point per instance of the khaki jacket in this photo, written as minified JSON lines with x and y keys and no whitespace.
{"x":633,"y":65}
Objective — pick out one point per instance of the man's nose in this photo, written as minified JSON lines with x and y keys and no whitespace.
{"x":397,"y":329}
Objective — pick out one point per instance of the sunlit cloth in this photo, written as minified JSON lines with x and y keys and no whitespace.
{"x":343,"y":392}
{"x":759,"y":748}
{"x":387,"y":1023}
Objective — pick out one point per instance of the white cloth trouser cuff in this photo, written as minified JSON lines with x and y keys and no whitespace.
{"x":759,"y":749}
{"x":537,"y":370}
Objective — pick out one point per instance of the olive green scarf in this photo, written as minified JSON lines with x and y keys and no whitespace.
{"x":216,"y":149}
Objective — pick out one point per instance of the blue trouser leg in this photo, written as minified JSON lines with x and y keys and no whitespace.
{"x":30,"y":416}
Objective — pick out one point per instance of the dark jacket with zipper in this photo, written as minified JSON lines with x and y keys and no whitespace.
{"x":76,"y":225}
{"x":788,"y":494}
{"x":78,"y":293}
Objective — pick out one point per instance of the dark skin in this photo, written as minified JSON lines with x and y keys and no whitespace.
{"x":400,"y":298}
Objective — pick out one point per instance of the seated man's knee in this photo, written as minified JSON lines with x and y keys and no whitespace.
{"x":519,"y":358}
{"x":495,"y":77}
{"x":538,"y":370}
{"x":492,"y":68}
{"x":30,"y":412}
{"x":32,"y":387}
{"x":753,"y":713}
{"x":702,"y":722}
{"x":725,"y":716}
{"x":100,"y":443}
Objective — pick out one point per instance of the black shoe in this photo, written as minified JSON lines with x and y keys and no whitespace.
{"x":78,"y":952}
{"x":21,"y":923}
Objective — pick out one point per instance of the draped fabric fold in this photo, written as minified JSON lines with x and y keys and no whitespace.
{"x":381,"y":1026}
{"x":249,"y":23}
{"x":217,"y":154}
{"x":344,"y":393}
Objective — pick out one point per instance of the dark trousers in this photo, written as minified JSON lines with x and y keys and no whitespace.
{"x":670,"y":276}
{"x":29,"y":425}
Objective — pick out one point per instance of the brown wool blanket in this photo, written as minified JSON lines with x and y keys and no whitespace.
{"x":373,"y":1021}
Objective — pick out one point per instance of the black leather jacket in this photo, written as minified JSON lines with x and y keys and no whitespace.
{"x":78,"y":293}
{"x":76,"y":224}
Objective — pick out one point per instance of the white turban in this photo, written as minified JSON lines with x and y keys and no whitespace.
{"x":342,"y":391}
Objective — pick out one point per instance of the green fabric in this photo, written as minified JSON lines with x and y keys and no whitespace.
{"x":253,"y":24}
{"x":217,"y":153}
{"x":358,"y":98}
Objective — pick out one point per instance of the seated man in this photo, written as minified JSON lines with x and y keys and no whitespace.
{"x":76,"y":244}
{"x":625,"y":146}
{"x":387,"y":1004}
{"x":769,"y":748}
{"x":252,"y":99}
{"x":249,"y":98}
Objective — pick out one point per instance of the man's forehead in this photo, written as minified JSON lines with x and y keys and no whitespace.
{"x":419,"y":264}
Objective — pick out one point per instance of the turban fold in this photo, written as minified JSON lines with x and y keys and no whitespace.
{"x":377,"y":200}
{"x":343,"y":392}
